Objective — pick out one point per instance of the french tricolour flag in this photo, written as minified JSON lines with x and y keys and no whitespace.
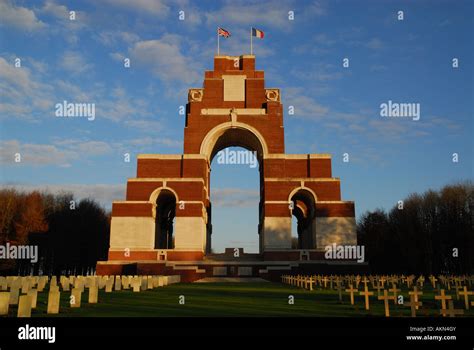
{"x":257,"y":33}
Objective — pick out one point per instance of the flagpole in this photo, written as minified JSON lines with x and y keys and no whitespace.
{"x":218,"y":49}
{"x":251,"y":46}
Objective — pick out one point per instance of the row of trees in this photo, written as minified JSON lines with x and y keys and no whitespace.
{"x":426,"y":233}
{"x":71,"y":237}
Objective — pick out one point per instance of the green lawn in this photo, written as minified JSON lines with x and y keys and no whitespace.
{"x":232,"y":299}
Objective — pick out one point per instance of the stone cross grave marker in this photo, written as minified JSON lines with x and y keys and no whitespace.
{"x":351,"y":291}
{"x":465,"y":293}
{"x":415,"y":294}
{"x":366,"y":295}
{"x":443,"y":299}
{"x":451,"y":311}
{"x":385,"y":299}
{"x":414,"y":305}
{"x":395,"y":291}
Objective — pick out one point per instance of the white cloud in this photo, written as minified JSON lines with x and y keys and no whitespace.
{"x":22,"y":90}
{"x":305,"y":106}
{"x":34,"y":154}
{"x":61,"y":152}
{"x":150,"y":7}
{"x":267,"y":14}
{"x":234,"y":197}
{"x":145,"y":142}
{"x":165,"y":59}
{"x":111,"y":38}
{"x":375,"y":44}
{"x":74,"y":62}
{"x":146,"y":125}
{"x":19,"y":17}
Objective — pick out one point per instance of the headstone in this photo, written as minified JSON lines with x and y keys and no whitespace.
{"x":53,"y":302}
{"x":24,"y":306}
{"x":65,"y":284}
{"x":53,"y":281}
{"x":118,"y":283}
{"x":25,"y":286}
{"x":143,"y":283}
{"x":136,"y":285}
{"x":14,"y":294}
{"x":149,"y":282}
{"x":93,"y":294}
{"x":75,"y":299}
{"x":244,"y":271}
{"x":109,"y":285}
{"x":219,"y":271}
{"x":33,"y":293}
{"x":4,"y":303}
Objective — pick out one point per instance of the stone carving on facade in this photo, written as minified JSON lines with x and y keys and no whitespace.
{"x":272,"y":95}
{"x":195,"y":95}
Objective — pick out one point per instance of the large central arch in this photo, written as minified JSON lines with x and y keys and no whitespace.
{"x":234,"y":134}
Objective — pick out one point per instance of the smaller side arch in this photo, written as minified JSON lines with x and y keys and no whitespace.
{"x":303,"y":188}
{"x":154,"y":195}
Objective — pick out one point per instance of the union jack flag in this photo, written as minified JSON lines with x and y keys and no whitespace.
{"x":223,"y":32}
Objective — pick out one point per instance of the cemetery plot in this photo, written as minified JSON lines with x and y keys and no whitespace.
{"x":315,"y":295}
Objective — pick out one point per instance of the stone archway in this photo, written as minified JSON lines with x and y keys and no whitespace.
{"x":164,"y":201}
{"x":303,"y":204}
{"x":233,"y":135}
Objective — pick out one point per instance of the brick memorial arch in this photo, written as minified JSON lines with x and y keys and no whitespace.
{"x":169,"y":197}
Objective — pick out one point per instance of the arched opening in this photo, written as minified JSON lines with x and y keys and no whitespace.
{"x":303,"y":220}
{"x":235,"y":158}
{"x":164,"y":219}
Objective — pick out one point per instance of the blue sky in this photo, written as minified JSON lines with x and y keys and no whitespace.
{"x":336,"y":108}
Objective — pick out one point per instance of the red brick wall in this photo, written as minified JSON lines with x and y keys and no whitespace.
{"x":132,"y":209}
{"x":335,"y":209}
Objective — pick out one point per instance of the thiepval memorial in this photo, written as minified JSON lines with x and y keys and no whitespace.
{"x":165,"y":224}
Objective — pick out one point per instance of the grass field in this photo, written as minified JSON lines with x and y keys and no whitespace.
{"x":233,"y":299}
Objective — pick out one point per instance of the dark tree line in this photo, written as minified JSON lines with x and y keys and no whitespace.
{"x":432,"y":234}
{"x":71,"y":236}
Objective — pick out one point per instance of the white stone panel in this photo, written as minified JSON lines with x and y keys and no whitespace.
{"x":234,"y":87}
{"x":277,"y":233}
{"x":190,"y":233}
{"x":339,"y":230}
{"x":132,"y":233}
